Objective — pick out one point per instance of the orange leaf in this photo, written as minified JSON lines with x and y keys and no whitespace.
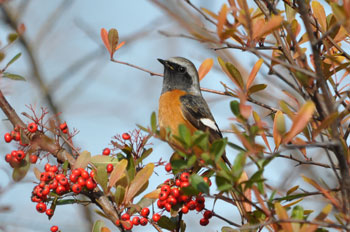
{"x":320,"y":14}
{"x":274,"y":23}
{"x":153,"y":195}
{"x":282,"y":214}
{"x":208,"y":12}
{"x":247,"y":193}
{"x":205,"y":67}
{"x":221,"y":20}
{"x":300,"y":120}
{"x":104,"y":37}
{"x":253,"y":73}
{"x":261,"y":128}
{"x":261,"y":201}
{"x":277,"y":122}
{"x":120,"y":45}
{"x":320,"y":217}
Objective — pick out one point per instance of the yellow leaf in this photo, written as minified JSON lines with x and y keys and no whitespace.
{"x":221,"y":20}
{"x":300,"y":120}
{"x":117,"y":173}
{"x":278,"y":124}
{"x":319,"y":14}
{"x":253,"y":73}
{"x":153,"y":195}
{"x":208,"y":12}
{"x":320,"y":217}
{"x":205,"y":68}
{"x":282,"y":214}
{"x":273,"y":23}
{"x":138,"y":182}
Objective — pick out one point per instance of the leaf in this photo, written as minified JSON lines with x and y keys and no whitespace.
{"x":12,"y":37}
{"x":256,"y":88}
{"x":144,"y":155}
{"x":325,"y":123}
{"x":218,"y":148}
{"x":154,"y":122}
{"x":119,"y":194}
{"x":235,"y":74}
{"x":199,"y":184}
{"x":104,"y":37}
{"x":113,"y":39}
{"x":208,"y":12}
{"x":292,"y":190}
{"x":20,"y":172}
{"x":12,"y":76}
{"x":99,"y":160}
{"x":224,"y":68}
{"x":253,"y":73}
{"x":37,"y":173}
{"x":13,"y":60}
{"x":320,"y":217}
{"x":300,"y":120}
{"x":140,"y":179}
{"x":319,"y":14}
{"x":221,"y":21}
{"x":185,"y":134}
{"x":165,"y":223}
{"x":278,"y":127}
{"x":282,"y":214}
{"x":97,"y":227}
{"x":105,"y":229}
{"x":205,"y":68}
{"x":101,"y":177}
{"x":274,"y":22}
{"x":83,"y":160}
{"x":117,"y":173}
{"x":229,"y":229}
{"x":238,"y":165}
{"x":235,"y":107}
{"x":153,"y":195}
{"x":290,"y":13}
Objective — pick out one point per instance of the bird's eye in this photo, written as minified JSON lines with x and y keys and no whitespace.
{"x":182,"y":69}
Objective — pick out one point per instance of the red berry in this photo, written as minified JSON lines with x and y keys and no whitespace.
{"x":43,"y":176}
{"x":184,"y":177}
{"x":171,"y":200}
{"x":156,"y":217}
{"x":199,"y":207}
{"x":184,"y":184}
{"x":175,"y":192}
{"x":208,"y":214}
{"x":20,"y":155}
{"x":49,"y":212}
{"x":167,"y":206}
{"x":144,"y":212}
{"x":63,"y":126}
{"x":46,"y":190}
{"x":73,"y":178}
{"x":165,"y":188}
{"x":32,"y":127}
{"x":63,"y":181}
{"x":161,"y":204}
{"x":191,"y":205}
{"x":81,"y":181}
{"x":17,"y":136}
{"x":143,"y":221}
{"x":200,"y":200}
{"x":76,"y":188}
{"x":126,"y":136}
{"x":33,"y":159}
{"x":168,"y":167}
{"x":127,"y":225}
{"x":178,"y":182}
{"x":109,"y":168}
{"x":204,"y":222}
{"x":184,"y":198}
{"x":8,"y":137}
{"x":106,"y":151}
{"x":76,"y":172}
{"x":41,"y":207}
{"x":92,"y":174}
{"x":53,"y":169}
{"x":54,"y":228}
{"x":47,"y":167}
{"x":50,"y":175}
{"x":14,"y":154}
{"x":125,"y":217}
{"x":163,"y":195}
{"x":60,"y":189}
{"x":84,"y":174}
{"x":136,"y":221}
{"x":8,"y":158}
{"x":117,"y":222}
{"x":90,"y":184}
{"x":53,"y":184}
{"x":184,"y":209}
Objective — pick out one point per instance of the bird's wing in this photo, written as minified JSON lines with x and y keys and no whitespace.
{"x":196,"y":111}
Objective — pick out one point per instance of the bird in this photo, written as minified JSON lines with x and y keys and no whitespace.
{"x":181,"y":101}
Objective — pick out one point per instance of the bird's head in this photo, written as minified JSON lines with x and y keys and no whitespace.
{"x":180,"y":73}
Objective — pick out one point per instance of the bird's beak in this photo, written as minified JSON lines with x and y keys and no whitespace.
{"x":165,"y":63}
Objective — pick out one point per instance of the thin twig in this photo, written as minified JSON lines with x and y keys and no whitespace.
{"x":137,"y":67}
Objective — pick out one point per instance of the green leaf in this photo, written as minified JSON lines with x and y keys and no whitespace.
{"x":222,"y":183}
{"x":235,"y":73}
{"x":198,"y":183}
{"x":103,"y":160}
{"x":13,"y":59}
{"x":119,"y":194}
{"x":235,"y":107}
{"x":238,"y":165}
{"x":165,"y":223}
{"x":12,"y":76}
{"x":229,"y":229}
{"x":131,"y":170}
{"x":235,"y":146}
{"x":191,"y":161}
{"x":20,"y":172}
{"x":117,"y":173}
{"x":98,"y":226}
{"x":2,"y":56}
{"x":298,"y":212}
{"x":256,"y":88}
{"x":12,"y":37}
{"x":83,"y":160}
{"x":185,"y":134}
{"x":154,"y":122}
{"x":101,"y":177}
{"x":144,"y":155}
{"x":218,"y":148}
{"x":201,"y":139}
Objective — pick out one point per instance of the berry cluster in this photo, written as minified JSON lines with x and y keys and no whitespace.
{"x":56,"y":181}
{"x":128,"y":223}
{"x":171,"y":197}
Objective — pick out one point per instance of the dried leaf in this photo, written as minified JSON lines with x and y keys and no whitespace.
{"x":300,"y":120}
{"x":37,"y":173}
{"x":282,"y":214}
{"x":221,"y":20}
{"x":117,"y":173}
{"x":274,"y":22}
{"x":138,"y":182}
{"x":205,"y":68}
{"x":325,"y":123}
{"x":83,"y":160}
{"x":319,"y":14}
{"x":153,"y":195}
{"x":253,"y":73}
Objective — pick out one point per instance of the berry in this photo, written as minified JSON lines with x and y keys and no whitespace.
{"x":184,"y":184}
{"x":178,"y":182}
{"x":53,"y":168}
{"x":126,"y":136}
{"x":76,"y":188}
{"x":175,"y":192}
{"x":43,"y":176}
{"x":14,"y":154}
{"x":8,"y":137}
{"x":47,"y":167}
{"x":81,"y":181}
{"x":127,"y":225}
{"x":46,"y":190}
{"x":165,"y":188}
{"x":207,"y":180}
{"x":20,"y":155}
{"x":33,"y":159}
{"x":163,"y":195}
{"x":109,"y":168}
{"x":199,"y":207}
{"x":92,"y":174}
{"x":90,"y":184}
{"x":171,"y":200}
{"x":184,"y":198}
{"x":168,"y":167}
{"x":191,"y":205}
{"x":117,"y":222}
{"x":136,"y":221}
{"x":200,"y":200}
{"x":125,"y":217}
{"x":63,"y":127}
{"x":161,"y":204}
{"x":63,"y":181}
{"x":54,"y":228}
{"x":41,"y":207}
{"x":84,"y":174}
{"x":73,"y":178}
{"x":156,"y":217}
{"x":167,"y":206}
{"x":17,"y":136}
{"x":50,"y":175}
{"x":144,"y":212}
{"x":53,"y":184}
{"x":204,"y":222}
{"x":60,"y":189}
{"x":49,"y":212}
{"x":32,"y":127}
{"x":8,"y":158}
{"x":106,"y":151}
{"x":184,"y":177}
{"x":208,"y":214}
{"x":184,"y":209}
{"x":76,"y":172}
{"x":143,"y":221}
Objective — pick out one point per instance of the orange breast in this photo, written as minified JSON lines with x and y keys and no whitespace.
{"x":170,"y":114}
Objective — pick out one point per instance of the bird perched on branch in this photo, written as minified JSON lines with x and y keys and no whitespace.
{"x":181,"y":101}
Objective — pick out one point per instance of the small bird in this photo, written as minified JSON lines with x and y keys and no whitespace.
{"x":181,"y":101}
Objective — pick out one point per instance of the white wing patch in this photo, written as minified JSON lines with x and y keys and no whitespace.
{"x":209,"y":123}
